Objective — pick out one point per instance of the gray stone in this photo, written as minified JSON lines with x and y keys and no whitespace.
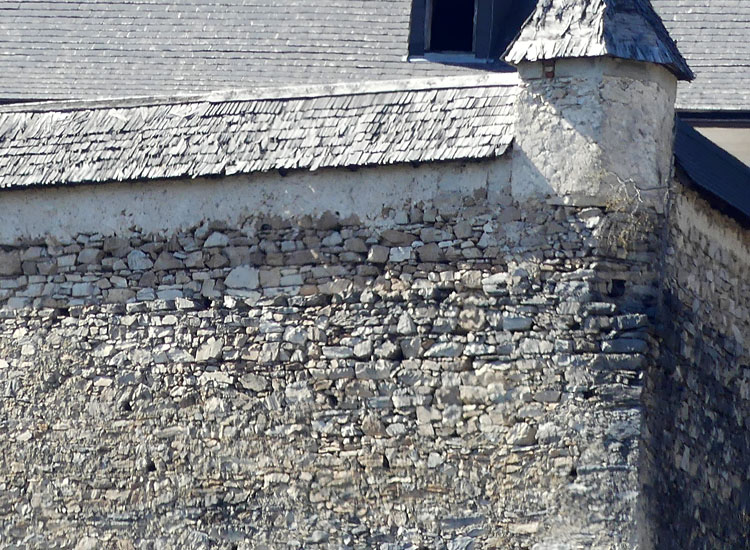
{"x":394,"y":238}
{"x":387,"y":350}
{"x":90,"y":256}
{"x":167,"y":261}
{"x":363,"y":349}
{"x":297,"y":392}
{"x":216,"y":239}
{"x":139,"y":261}
{"x":210,"y":350}
{"x":244,"y":277}
{"x":253,"y":382}
{"x":535,"y":346}
{"x":295,"y":335}
{"x":514,"y":323}
{"x":445,"y":349}
{"x":522,"y":434}
{"x":400,"y":254}
{"x":169,"y":293}
{"x":338,"y":352}
{"x":82,"y":290}
{"x":355,"y":245}
{"x":377,"y":255}
{"x":410,"y":347}
{"x":333,"y":239}
{"x":462,"y":230}
{"x":380,"y":370}
{"x":405,"y":324}
{"x":120,"y":295}
{"x":625,"y":345}
{"x":10,"y":263}
{"x":269,"y":277}
{"x":430,"y":252}
{"x":328,"y":221}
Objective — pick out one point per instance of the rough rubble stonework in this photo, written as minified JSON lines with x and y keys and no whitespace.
{"x":696,"y":468}
{"x":468,"y":377}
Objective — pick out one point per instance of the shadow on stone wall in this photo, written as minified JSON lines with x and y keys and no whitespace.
{"x":696,"y":459}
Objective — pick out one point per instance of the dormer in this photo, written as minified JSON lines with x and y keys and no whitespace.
{"x":465,"y":31}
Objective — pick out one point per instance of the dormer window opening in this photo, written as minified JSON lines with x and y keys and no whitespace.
{"x":465,"y":31}
{"x":451,"y":25}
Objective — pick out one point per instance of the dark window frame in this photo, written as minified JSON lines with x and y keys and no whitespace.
{"x":496,"y":23}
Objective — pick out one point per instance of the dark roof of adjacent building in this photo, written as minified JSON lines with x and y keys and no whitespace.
{"x":627,"y":29}
{"x":301,"y":128}
{"x":64,"y":49}
{"x":724,"y":179}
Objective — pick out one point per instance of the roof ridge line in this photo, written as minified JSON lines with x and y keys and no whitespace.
{"x":267,"y":93}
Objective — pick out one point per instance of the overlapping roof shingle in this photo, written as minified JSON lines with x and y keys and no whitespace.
{"x":628,"y":29}
{"x":313,"y":128}
{"x":714,"y":36}
{"x":64,"y":49}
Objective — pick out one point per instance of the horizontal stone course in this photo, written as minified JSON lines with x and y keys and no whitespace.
{"x":296,"y":383}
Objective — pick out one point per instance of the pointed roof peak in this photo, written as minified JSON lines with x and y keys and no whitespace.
{"x":627,"y":29}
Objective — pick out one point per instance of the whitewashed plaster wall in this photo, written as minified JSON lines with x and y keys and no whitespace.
{"x":596,"y":131}
{"x":167,"y":206}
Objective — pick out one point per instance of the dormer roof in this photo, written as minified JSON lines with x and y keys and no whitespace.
{"x":626,"y":29}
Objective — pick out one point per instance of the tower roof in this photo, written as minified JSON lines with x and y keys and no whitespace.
{"x":627,"y":29}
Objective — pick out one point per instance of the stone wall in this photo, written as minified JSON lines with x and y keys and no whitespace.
{"x":696,"y":468}
{"x":465,"y":373}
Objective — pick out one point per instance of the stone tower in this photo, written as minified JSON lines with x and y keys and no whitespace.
{"x":594,"y":131}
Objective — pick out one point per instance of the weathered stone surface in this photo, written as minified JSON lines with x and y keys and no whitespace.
{"x":394,"y":238}
{"x":210,"y":350}
{"x":139,"y":261}
{"x":406,"y":324}
{"x":522,"y":434}
{"x":399,"y":254}
{"x":215,"y":240}
{"x":430,"y":252}
{"x":445,"y":349}
{"x":253,"y":382}
{"x":244,"y":277}
{"x":167,"y":261}
{"x":378,"y":254}
{"x":326,"y":379}
{"x":515,"y":323}
{"x":697,"y":395}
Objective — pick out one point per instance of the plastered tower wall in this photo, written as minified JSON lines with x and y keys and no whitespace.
{"x":598,"y":133}
{"x":458,"y":367}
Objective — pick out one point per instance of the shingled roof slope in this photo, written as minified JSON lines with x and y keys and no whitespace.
{"x":628,"y":29}
{"x":714,"y":36}
{"x":312,"y":128}
{"x":63,"y":49}
{"x":83,"y":49}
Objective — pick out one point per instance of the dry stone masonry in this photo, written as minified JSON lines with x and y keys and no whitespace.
{"x":696,"y":471}
{"x":468,"y":377}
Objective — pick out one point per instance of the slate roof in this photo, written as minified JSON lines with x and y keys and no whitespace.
{"x":627,"y":29}
{"x":308,"y":128}
{"x":714,"y":36}
{"x":66,"y":49}
{"x":716,"y":173}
